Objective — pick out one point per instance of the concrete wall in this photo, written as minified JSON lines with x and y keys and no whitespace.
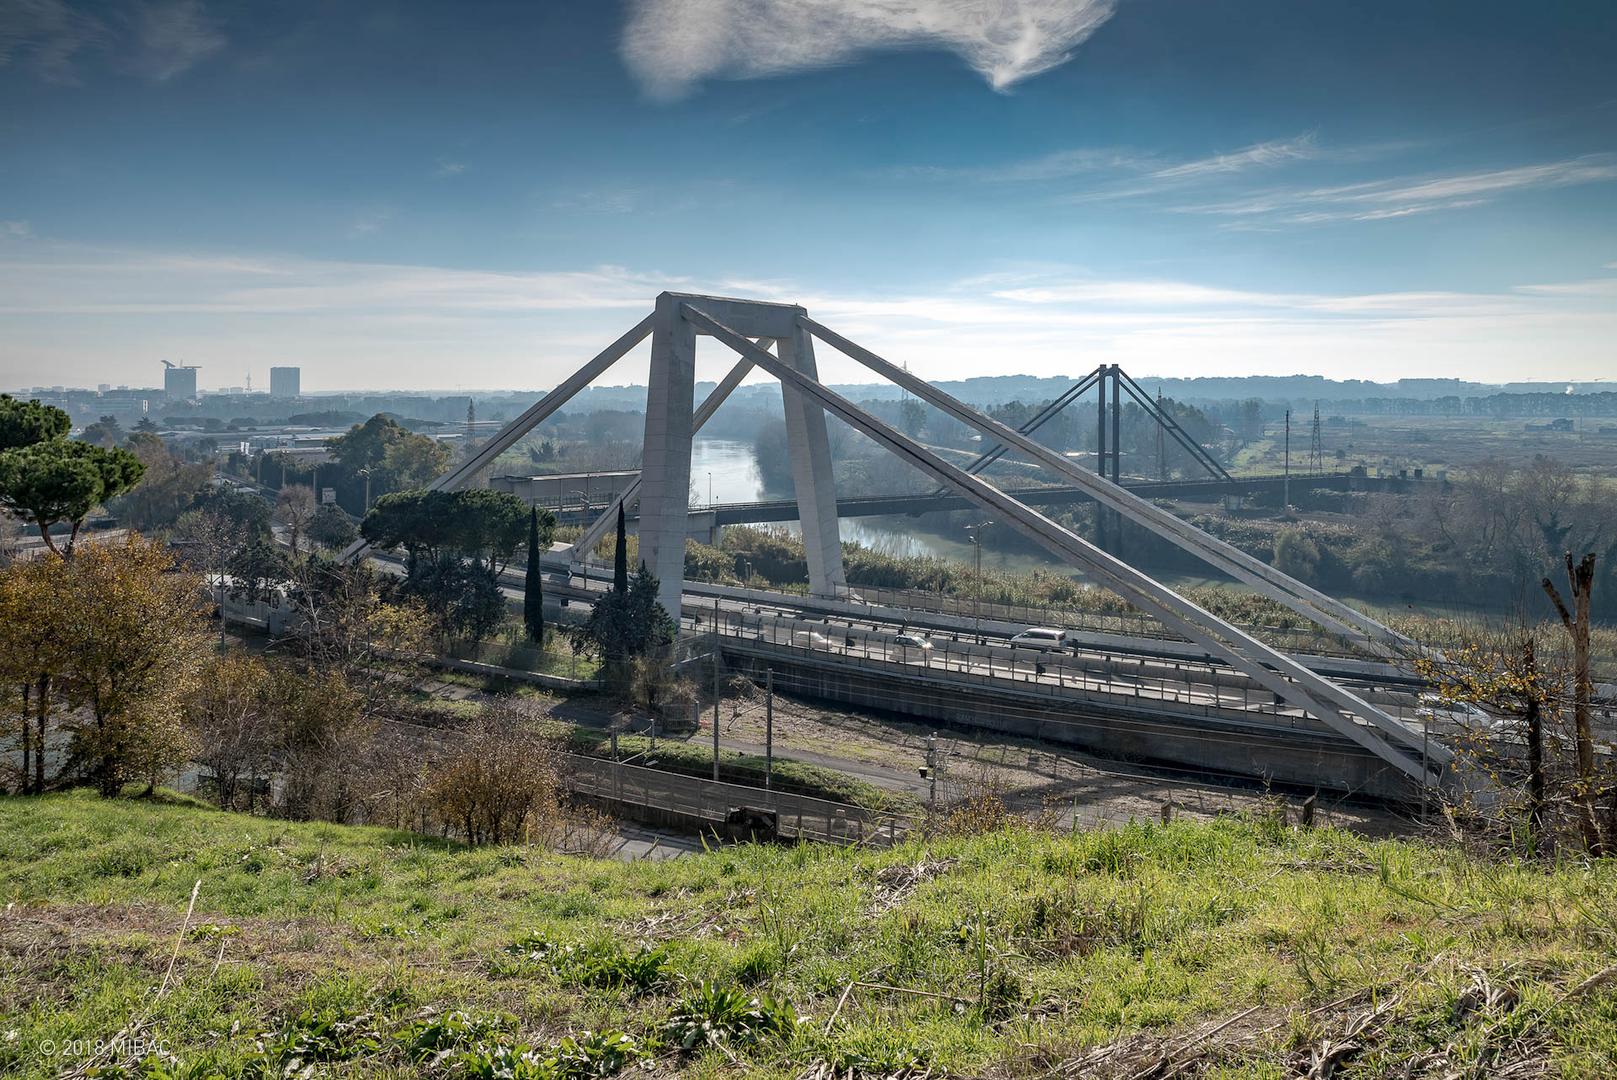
{"x":566,"y":488}
{"x":1308,"y":760}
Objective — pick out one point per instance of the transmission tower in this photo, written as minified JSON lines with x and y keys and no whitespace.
{"x":1316,"y":447}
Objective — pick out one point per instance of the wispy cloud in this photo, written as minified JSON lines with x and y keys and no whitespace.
{"x":671,"y":45}
{"x":600,"y":201}
{"x":1124,"y":171}
{"x":1235,"y":185}
{"x":449,"y":168}
{"x":66,"y":280}
{"x":171,"y":38}
{"x":156,"y":40}
{"x":48,"y":37}
{"x":1404,"y":196}
{"x":15,"y":230}
{"x":1181,"y":297}
{"x":1058,"y":165}
{"x":371,"y":220}
{"x":1257,"y":156}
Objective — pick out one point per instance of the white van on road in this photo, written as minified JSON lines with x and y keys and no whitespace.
{"x":811,"y":639}
{"x":1043,"y":638}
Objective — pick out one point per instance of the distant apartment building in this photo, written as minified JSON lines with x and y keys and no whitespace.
{"x":286,"y":382}
{"x":179,"y":381}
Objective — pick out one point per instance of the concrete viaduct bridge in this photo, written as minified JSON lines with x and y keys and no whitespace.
{"x":780,"y":339}
{"x":778,"y":510}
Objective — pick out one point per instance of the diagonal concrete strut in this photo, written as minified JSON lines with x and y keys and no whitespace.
{"x":1312,"y":604}
{"x":530,"y":419}
{"x":1331,"y":704}
{"x":584,"y":546}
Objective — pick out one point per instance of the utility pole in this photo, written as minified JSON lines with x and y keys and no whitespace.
{"x":715,"y":689}
{"x":931,"y":770}
{"x":975,"y":533}
{"x":769,"y":727}
{"x":1285,"y":497}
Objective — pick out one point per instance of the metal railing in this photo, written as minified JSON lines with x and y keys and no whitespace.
{"x":1134,"y":624}
{"x":798,"y":817}
{"x":1135,"y":683}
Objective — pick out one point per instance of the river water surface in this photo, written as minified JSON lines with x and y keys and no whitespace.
{"x":724,"y":471}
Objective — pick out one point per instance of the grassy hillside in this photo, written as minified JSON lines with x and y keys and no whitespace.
{"x":1238,"y":948}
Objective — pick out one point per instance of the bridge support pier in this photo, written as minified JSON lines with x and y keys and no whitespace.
{"x":810,"y":450}
{"x":665,"y":470}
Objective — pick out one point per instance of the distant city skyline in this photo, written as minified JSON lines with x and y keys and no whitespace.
{"x":480,"y":197}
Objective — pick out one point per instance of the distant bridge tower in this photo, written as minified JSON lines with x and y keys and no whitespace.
{"x":1162,"y":447}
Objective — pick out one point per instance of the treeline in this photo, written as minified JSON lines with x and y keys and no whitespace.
{"x":1497,"y":406}
{"x":1483,"y":542}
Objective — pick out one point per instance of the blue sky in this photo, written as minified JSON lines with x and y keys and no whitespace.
{"x":480,"y":195}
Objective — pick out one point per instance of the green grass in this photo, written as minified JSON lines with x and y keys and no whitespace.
{"x":355,"y":947}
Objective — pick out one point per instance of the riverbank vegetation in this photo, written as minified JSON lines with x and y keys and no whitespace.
{"x":769,"y":558}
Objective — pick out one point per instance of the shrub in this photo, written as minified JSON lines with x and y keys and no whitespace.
{"x":1296,"y":554}
{"x":499,"y":781}
{"x":435,"y":1042}
{"x":316,"y":1037}
{"x":604,"y":963}
{"x":588,"y":1054}
{"x":712,"y":1014}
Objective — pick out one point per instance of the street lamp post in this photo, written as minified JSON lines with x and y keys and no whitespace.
{"x":975,"y":533}
{"x":585,"y":558}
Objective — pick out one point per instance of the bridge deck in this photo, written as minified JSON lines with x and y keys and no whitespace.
{"x":772,"y":510}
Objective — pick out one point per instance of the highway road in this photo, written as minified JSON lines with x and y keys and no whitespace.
{"x":1133,"y":668}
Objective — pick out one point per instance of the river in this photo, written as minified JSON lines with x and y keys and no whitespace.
{"x":724,"y":471}
{"x":729,"y":467}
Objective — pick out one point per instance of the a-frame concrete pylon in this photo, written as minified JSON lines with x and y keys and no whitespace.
{"x":746,"y":326}
{"x":665,"y":471}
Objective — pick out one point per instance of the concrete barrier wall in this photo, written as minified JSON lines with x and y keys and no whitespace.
{"x":1294,"y":758}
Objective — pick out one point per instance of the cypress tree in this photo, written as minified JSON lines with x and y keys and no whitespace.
{"x":533,"y":598}
{"x":620,"y":560}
